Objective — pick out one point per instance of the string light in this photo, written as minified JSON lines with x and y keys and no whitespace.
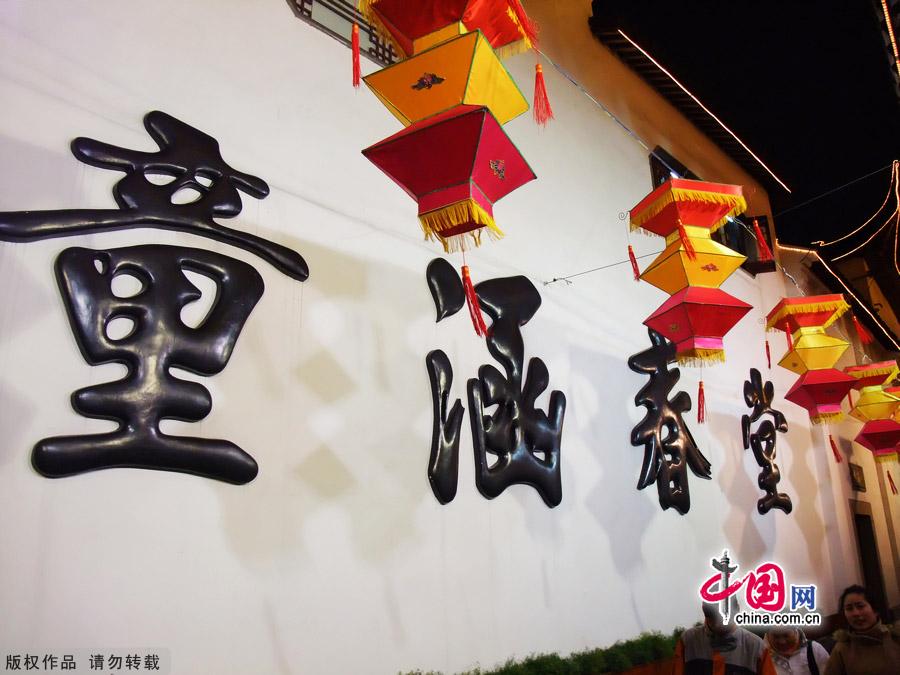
{"x":707,"y":110}
{"x":894,"y":176}
{"x":890,"y":28}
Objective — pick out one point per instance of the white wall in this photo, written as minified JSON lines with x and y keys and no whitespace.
{"x":337,"y":558}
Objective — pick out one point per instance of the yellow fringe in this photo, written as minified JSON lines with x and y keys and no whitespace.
{"x":826,"y":418}
{"x":838,"y":306}
{"x":701,"y":357}
{"x":873,"y":372}
{"x":887,"y":457}
{"x":737,"y":203}
{"x":454,"y":215}
{"x":513,"y":48}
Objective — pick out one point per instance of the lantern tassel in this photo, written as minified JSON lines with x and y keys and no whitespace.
{"x":764,"y":253}
{"x":686,"y":242}
{"x":790,"y":340}
{"x":472,"y":303}
{"x":864,"y":335}
{"x":768,"y":355}
{"x":891,"y":481}
{"x":634,"y":265}
{"x":701,"y":405}
{"x":354,"y":46}
{"x":541,"y":110}
{"x":834,"y":449}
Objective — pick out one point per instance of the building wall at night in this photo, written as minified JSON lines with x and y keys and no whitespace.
{"x":337,"y":557}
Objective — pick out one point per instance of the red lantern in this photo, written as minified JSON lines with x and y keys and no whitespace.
{"x":880,"y":436}
{"x":821,"y":393}
{"x":696,"y":320}
{"x":455,"y":165}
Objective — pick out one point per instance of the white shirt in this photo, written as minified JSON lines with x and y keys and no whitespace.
{"x":796,"y":663}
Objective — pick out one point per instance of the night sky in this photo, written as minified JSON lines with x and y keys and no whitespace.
{"x":806,"y":85}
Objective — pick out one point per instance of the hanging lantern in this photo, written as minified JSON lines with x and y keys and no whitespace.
{"x":692,"y":266}
{"x":413,"y":29}
{"x":462,"y":71}
{"x":812,"y":353}
{"x":875,"y":402}
{"x":453,"y":94}
{"x":455,"y":165}
{"x":812,"y":349}
{"x":881,"y":437}
{"x":821,"y":393}
{"x":696,"y":320}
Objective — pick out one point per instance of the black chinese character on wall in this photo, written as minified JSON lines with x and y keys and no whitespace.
{"x":669,"y":447}
{"x":513,"y":440}
{"x":185,"y":185}
{"x":759,"y":397}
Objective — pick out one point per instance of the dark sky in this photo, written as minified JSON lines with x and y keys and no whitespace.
{"x":806,"y":85}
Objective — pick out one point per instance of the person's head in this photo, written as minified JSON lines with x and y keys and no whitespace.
{"x":856,"y":606}
{"x":785,"y":641}
{"x":713,"y":620}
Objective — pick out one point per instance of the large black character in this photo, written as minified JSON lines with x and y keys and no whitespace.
{"x":159,"y":340}
{"x":193,"y":161}
{"x":524,"y":440}
{"x":759,"y":397}
{"x":669,"y":447}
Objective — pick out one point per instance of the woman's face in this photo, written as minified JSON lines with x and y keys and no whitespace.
{"x":859,"y":612}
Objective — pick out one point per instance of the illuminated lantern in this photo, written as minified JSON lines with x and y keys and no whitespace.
{"x":453,"y":94}
{"x":455,"y":165}
{"x":812,"y":353}
{"x":692,"y":266}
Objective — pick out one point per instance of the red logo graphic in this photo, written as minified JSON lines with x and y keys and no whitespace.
{"x":765,"y":588}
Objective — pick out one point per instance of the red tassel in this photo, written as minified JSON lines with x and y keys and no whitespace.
{"x":701,"y":405}
{"x":634,"y":265}
{"x":686,"y":241}
{"x":834,"y":449}
{"x":891,"y":481}
{"x":529,"y":27}
{"x":768,"y":354}
{"x":542,"y":111}
{"x":764,"y":253}
{"x":790,"y":340}
{"x":354,"y":45}
{"x":864,"y":335}
{"x":472,"y":302}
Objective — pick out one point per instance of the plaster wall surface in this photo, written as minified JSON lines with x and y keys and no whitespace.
{"x":337,"y":558}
